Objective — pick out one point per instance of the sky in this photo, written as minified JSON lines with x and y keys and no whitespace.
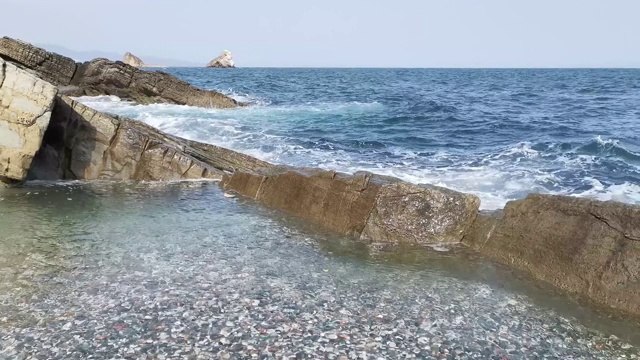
{"x":341,"y":33}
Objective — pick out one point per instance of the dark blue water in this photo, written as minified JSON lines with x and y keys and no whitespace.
{"x":499,"y":134}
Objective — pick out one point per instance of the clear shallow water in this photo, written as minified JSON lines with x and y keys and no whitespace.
{"x":179,"y":271}
{"x":499,"y":134}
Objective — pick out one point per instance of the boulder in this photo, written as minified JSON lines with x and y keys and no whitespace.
{"x":366,"y":206}
{"x":51,"y":67}
{"x":104,"y":77}
{"x":132,"y":60}
{"x":225,"y":60}
{"x":25,"y":109}
{"x":422,"y":215}
{"x":583,"y":246}
{"x":84,"y":144}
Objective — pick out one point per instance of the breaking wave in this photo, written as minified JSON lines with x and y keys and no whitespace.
{"x":457,"y":140}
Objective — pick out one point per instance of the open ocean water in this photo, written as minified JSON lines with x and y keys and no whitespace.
{"x":496,"y":133}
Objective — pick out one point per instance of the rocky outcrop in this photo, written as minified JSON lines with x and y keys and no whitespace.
{"x":51,"y":67}
{"x":583,"y":246}
{"x":132,"y":60}
{"x":81,"y":143}
{"x":25,"y":109}
{"x":416,"y":214}
{"x":225,"y":60}
{"x":101,"y":76}
{"x":104,"y":77}
{"x":364,"y":205}
{"x":586,"y":247}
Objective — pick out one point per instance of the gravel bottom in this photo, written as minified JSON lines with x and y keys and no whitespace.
{"x":181,"y":272}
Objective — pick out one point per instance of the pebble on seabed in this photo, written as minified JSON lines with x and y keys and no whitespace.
{"x":253,"y":289}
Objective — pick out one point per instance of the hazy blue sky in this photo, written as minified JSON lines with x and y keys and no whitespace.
{"x":398,"y":33}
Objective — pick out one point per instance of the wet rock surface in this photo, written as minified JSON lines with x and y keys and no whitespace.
{"x":583,"y":246}
{"x":420,"y":214}
{"x":374,"y":208}
{"x":86,"y":280}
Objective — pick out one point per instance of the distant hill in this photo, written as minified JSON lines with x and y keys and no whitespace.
{"x":87,"y":55}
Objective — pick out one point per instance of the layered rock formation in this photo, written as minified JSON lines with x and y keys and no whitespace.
{"x":586,"y":247}
{"x":25,"y":109}
{"x":367,"y":206}
{"x":101,"y":76}
{"x":132,"y":60}
{"x":81,"y":143}
{"x":51,"y":67}
{"x":104,"y":77}
{"x":225,"y":60}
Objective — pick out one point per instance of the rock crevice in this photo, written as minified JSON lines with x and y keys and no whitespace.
{"x":608,"y":223}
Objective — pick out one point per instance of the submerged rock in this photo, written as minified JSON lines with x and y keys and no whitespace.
{"x":583,"y":246}
{"x":25,"y":109}
{"x":132,"y":60}
{"x":225,"y":60}
{"x":105,"y":77}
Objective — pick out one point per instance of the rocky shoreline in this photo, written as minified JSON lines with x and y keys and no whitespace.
{"x":584,"y":247}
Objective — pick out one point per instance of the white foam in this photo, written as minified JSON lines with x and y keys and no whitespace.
{"x":258,"y":131}
{"x":522,"y":148}
{"x":605,"y":142}
{"x":246,"y":98}
{"x":625,"y":192}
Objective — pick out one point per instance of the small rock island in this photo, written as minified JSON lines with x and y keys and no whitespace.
{"x":225,"y":60}
{"x":133,"y":60}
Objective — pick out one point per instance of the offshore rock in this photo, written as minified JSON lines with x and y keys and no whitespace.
{"x":25,"y":109}
{"x":85,"y":144}
{"x":586,"y":247}
{"x":364,"y":205}
{"x":225,"y":60}
{"x":132,"y":60}
{"x":104,"y":77}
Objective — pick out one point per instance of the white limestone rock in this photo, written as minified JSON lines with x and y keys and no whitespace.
{"x":26,"y":103}
{"x":225,"y":60}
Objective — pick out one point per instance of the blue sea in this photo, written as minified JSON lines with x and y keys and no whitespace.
{"x":496,"y":133}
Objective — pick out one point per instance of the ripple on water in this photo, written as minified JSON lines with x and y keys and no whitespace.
{"x":117,"y":270}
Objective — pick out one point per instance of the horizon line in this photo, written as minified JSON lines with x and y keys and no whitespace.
{"x":412,"y":67}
